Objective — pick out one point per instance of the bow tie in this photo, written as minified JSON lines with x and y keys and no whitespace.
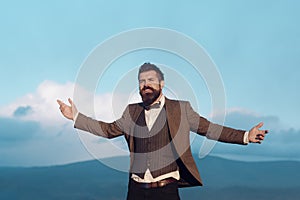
{"x":154,"y":106}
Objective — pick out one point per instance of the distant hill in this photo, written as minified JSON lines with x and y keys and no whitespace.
{"x":223,"y":179}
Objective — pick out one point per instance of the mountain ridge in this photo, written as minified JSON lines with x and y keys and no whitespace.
{"x":223,"y":179}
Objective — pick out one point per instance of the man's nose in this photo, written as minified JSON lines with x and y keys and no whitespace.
{"x":147,"y":83}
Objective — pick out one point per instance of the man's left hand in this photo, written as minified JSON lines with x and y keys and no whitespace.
{"x":256,"y":135}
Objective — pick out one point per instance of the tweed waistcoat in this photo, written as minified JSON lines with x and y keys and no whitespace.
{"x":153,"y":149}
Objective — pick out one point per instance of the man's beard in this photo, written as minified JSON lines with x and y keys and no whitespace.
{"x":149,"y":98}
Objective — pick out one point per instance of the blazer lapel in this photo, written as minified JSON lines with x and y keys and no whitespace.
{"x":173,"y":116}
{"x":134,"y":112}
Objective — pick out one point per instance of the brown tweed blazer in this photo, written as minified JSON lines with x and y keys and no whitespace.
{"x":181,"y":119}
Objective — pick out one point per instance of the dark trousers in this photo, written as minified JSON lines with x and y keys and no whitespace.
{"x":168,"y":192}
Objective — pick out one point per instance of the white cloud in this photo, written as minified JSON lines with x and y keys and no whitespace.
{"x":281,"y":143}
{"x":245,"y":119}
{"x":55,"y":141}
{"x":45,"y":110}
{"x":42,"y":102}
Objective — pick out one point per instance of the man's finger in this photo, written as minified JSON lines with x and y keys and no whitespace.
{"x":260,"y":137}
{"x":259,"y":125}
{"x":59,"y":102}
{"x":70,"y":101}
{"x":263,"y":132}
{"x":259,"y":134}
{"x":258,"y":140}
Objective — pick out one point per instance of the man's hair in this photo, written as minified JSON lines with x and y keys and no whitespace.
{"x":148,"y":67}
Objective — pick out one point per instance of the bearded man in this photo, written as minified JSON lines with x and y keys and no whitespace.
{"x":157,"y":133}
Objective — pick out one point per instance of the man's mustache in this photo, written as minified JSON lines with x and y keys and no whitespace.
{"x":147,"y":87}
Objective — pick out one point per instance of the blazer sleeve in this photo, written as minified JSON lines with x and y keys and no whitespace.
{"x":100,"y":128}
{"x":202,"y":126}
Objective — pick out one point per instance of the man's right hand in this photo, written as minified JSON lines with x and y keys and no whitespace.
{"x":68,"y":111}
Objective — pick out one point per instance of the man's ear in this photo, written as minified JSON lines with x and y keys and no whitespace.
{"x":162,"y":84}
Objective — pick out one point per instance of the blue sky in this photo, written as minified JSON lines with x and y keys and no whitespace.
{"x":255,"y":45}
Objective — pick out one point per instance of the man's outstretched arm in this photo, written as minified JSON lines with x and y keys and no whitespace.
{"x":82,"y":122}
{"x":213,"y":131}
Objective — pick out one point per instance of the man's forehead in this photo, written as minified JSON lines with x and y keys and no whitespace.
{"x":148,"y":74}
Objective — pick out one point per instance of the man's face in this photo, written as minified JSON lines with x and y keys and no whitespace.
{"x":150,"y":86}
